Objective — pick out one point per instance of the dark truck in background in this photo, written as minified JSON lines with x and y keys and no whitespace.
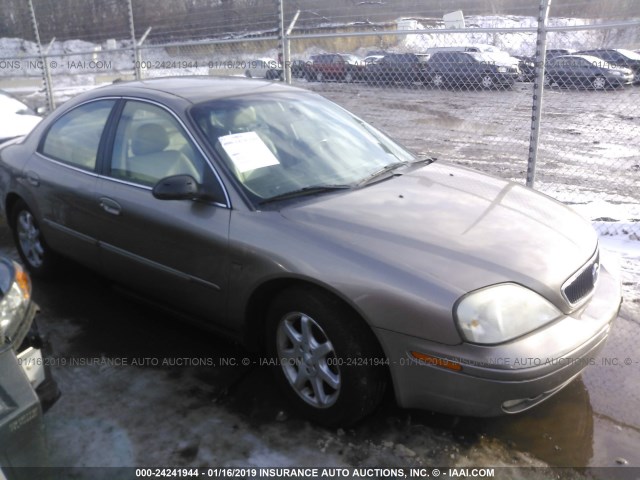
{"x":27,"y":388}
{"x":404,"y":68}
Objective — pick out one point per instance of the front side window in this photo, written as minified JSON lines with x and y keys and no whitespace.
{"x":75,"y":137}
{"x":151,"y":145}
{"x":280,"y":143}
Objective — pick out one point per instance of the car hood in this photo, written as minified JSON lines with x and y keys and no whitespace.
{"x":17,"y":125}
{"x":456,"y":227}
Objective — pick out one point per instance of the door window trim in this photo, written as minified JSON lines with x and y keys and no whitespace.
{"x":94,"y":171}
{"x":111,"y":140}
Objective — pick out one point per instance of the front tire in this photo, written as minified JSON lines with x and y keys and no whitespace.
{"x":30,"y":243}
{"x":329,"y":364}
{"x":437,"y":80}
{"x":487,"y":82}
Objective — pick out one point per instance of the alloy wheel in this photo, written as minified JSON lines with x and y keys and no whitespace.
{"x":308,"y":360}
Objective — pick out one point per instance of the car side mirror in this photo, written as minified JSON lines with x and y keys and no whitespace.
{"x":177,"y":187}
{"x":184,"y":187}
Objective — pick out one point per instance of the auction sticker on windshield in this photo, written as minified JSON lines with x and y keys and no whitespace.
{"x":247,"y":151}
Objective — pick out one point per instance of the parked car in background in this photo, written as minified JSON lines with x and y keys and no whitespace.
{"x":27,"y":388}
{"x":527,"y":68}
{"x":476,"y":47}
{"x":464,"y":69}
{"x":16,"y":118}
{"x":404,"y":68}
{"x":372,"y":59}
{"x":335,"y":66}
{"x":557,"y":52}
{"x":299,"y":68}
{"x":585,"y":71}
{"x":276,"y":217}
{"x":262,"y":68}
{"x":618,"y":57}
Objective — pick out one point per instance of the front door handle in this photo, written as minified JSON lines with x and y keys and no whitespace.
{"x":110,"y":206}
{"x":33,"y":178}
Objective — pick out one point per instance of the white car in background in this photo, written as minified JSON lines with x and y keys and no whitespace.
{"x":264,"y":67}
{"x":16,"y":118}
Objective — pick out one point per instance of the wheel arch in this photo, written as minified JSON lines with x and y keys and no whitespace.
{"x":9,"y":204}
{"x":258,"y":304}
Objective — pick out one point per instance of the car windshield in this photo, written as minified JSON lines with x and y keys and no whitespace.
{"x":275,"y":144}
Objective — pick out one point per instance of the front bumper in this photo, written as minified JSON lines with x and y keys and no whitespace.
{"x":506,"y":378}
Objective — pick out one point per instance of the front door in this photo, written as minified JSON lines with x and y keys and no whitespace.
{"x":172,"y":250}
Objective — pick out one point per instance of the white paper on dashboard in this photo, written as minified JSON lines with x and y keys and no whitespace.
{"x":247,"y":151}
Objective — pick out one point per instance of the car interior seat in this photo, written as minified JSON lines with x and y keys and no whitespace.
{"x":151,"y":161}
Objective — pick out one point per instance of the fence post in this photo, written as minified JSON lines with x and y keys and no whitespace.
{"x":46,"y":74}
{"x":282,"y":42}
{"x":134,"y":42}
{"x":538,"y":90}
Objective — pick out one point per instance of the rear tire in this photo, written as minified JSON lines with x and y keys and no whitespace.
{"x":599,"y":83}
{"x":330,"y":366}
{"x":34,"y":252}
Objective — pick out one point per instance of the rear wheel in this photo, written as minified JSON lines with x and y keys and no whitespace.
{"x":319,"y":76}
{"x":599,"y":83}
{"x":348,"y":77}
{"x":329,"y":363}
{"x":31,"y":246}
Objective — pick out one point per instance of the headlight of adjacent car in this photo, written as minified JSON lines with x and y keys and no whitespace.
{"x":15,"y":302}
{"x":502,"y":312}
{"x":502,"y":69}
{"x":616,"y":73}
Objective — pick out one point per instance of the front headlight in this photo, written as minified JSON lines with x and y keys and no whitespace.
{"x":15,"y":303}
{"x":502,"y":312}
{"x":502,"y":69}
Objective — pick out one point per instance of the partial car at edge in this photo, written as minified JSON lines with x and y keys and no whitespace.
{"x":27,"y":388}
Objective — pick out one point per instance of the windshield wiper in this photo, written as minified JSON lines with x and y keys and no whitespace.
{"x":425,"y":160}
{"x":310,"y":190}
{"x":380,"y":172}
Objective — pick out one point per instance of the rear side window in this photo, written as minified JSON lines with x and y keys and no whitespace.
{"x":74,"y":138}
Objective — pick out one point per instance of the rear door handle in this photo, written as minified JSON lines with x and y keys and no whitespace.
{"x":110,"y":206}
{"x":33,"y":178}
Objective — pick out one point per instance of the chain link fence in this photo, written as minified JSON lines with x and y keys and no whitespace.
{"x":463,"y":89}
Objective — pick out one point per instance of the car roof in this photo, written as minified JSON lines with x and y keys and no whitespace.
{"x":589,"y":58}
{"x":194,"y":89}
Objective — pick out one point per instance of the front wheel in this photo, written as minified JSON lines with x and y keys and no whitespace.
{"x":329,"y":364}
{"x":31,"y":246}
{"x":437,"y":80}
{"x":487,"y":81}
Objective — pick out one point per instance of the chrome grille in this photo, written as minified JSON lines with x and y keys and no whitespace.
{"x":582,"y":283}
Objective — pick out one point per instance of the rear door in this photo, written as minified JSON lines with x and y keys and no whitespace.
{"x":172,"y":250}
{"x":62,"y":174}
